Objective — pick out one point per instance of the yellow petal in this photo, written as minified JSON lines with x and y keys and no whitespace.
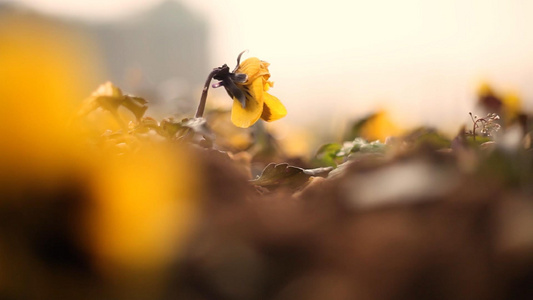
{"x":512,"y":105}
{"x":273,"y":109}
{"x":267,"y":85}
{"x":246,"y":117}
{"x":254,"y":68}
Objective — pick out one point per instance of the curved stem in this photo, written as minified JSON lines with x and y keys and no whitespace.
{"x":203,"y":99}
{"x":474,"y":121}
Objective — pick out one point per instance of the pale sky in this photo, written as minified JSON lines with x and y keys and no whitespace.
{"x":342,"y":58}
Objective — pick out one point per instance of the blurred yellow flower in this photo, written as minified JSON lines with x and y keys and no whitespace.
{"x":143,"y":208}
{"x":45,"y":69}
{"x":137,"y":207}
{"x":507,"y":104}
{"x":512,"y":106}
{"x":379,"y":126}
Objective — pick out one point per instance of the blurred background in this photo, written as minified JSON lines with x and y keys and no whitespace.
{"x":332,"y":61}
{"x":99,"y":205}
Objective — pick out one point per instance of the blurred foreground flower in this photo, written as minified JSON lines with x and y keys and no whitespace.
{"x":248,"y":85}
{"x":143,"y":189}
{"x":45,"y":69}
{"x":75,"y":208}
{"x":142,"y":209}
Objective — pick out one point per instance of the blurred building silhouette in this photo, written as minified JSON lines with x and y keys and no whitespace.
{"x":159,"y":54}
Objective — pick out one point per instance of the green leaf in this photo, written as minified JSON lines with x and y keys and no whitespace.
{"x":478,"y":141}
{"x":355,"y":130}
{"x":149,"y":122}
{"x":110,"y":98}
{"x":136,"y":105}
{"x":428,"y":137}
{"x":334,"y":154}
{"x":110,"y":103}
{"x":283,"y":175}
{"x":169,"y":128}
{"x":146,"y":124}
{"x":362,"y":146}
{"x":327,"y":154}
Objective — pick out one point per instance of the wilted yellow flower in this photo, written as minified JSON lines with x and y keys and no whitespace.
{"x":248,"y":85}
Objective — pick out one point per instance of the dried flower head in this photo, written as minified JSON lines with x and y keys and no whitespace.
{"x":487,"y":126}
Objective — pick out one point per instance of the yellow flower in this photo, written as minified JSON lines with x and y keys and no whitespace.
{"x":250,"y":98}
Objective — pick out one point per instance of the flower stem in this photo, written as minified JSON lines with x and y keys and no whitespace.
{"x":203,"y":99}
{"x":474,"y":121}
